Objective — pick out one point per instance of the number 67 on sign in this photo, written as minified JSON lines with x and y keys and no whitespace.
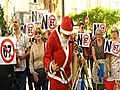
{"x":7,"y":50}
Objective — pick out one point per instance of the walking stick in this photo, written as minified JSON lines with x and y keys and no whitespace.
{"x":79,"y":52}
{"x":75,"y":81}
{"x":89,"y":64}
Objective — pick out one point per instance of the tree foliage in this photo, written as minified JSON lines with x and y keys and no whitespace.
{"x":2,"y":22}
{"x":99,"y":15}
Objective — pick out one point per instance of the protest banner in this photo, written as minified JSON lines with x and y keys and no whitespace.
{"x":83,"y":39}
{"x":30,"y":28}
{"x":46,"y":20}
{"x":99,"y":25}
{"x":112,"y":47}
{"x":7,"y":50}
{"x":37,"y":15}
{"x":49,"y":21}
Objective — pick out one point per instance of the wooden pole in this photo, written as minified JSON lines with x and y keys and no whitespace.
{"x":63,"y":8}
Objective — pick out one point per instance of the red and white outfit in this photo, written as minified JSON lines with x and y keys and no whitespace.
{"x":61,"y":52}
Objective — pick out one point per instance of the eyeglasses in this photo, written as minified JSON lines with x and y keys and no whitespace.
{"x":83,"y":27}
{"x":98,"y":34}
{"x":37,"y":33}
{"x":15,"y":21}
{"x":113,"y":31}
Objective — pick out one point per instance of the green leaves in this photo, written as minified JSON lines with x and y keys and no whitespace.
{"x":2,"y":22}
{"x":99,"y":15}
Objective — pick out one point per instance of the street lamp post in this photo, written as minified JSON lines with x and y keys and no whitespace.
{"x":0,"y":32}
{"x":63,"y":9}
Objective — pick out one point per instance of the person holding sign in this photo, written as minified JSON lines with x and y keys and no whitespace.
{"x":22,"y":44}
{"x":99,"y":60}
{"x":58,"y":56}
{"x":36,"y":62}
{"x":7,"y":77}
{"x":82,"y":30}
{"x":85,"y":50}
{"x":114,"y":60}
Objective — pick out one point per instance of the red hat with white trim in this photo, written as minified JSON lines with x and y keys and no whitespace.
{"x":67,"y":25}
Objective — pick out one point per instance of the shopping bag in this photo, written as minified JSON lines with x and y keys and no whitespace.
{"x":80,"y":85}
{"x":109,"y":83}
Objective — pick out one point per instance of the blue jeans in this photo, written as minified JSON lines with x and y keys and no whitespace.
{"x":21,"y":79}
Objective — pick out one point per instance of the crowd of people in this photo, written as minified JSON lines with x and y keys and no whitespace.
{"x":51,"y":61}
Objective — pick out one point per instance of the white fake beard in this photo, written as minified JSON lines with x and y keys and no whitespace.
{"x":64,"y":41}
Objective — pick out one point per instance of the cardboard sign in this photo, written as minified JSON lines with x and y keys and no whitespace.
{"x":83,"y":39}
{"x":30,"y":28}
{"x":7,"y":50}
{"x":49,"y":21}
{"x":112,"y":47}
{"x":37,"y":15}
{"x":23,"y":28}
{"x":99,"y":25}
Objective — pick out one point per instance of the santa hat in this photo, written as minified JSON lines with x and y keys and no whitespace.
{"x":67,"y":25}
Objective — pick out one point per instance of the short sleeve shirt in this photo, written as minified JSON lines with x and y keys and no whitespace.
{"x":22,"y":44}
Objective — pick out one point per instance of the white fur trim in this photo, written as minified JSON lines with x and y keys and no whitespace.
{"x":60,"y":79}
{"x":67,"y":55}
{"x":51,"y":67}
{"x":62,"y":75}
{"x":65,"y":32}
{"x":48,"y":85}
{"x":66,"y":51}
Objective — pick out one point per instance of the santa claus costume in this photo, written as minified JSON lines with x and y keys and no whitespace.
{"x":60,"y":51}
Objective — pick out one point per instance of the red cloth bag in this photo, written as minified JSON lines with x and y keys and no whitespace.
{"x":109,"y":84}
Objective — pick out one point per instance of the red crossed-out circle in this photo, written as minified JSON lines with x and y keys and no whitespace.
{"x":49,"y":22}
{"x":85,"y":44}
{"x":28,"y":26}
{"x":115,"y":51}
{"x":12,"y":55}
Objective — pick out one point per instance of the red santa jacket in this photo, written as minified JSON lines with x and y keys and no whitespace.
{"x":54,"y":51}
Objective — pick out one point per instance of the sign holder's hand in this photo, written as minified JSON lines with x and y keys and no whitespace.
{"x":35,"y":75}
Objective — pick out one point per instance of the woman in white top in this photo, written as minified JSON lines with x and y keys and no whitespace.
{"x":36,"y":62}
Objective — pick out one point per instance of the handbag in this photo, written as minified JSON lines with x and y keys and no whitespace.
{"x":41,"y":75}
{"x":109,"y":83}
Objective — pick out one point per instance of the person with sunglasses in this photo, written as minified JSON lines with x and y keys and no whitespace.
{"x":36,"y":65}
{"x":82,"y":30}
{"x":81,"y":27}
